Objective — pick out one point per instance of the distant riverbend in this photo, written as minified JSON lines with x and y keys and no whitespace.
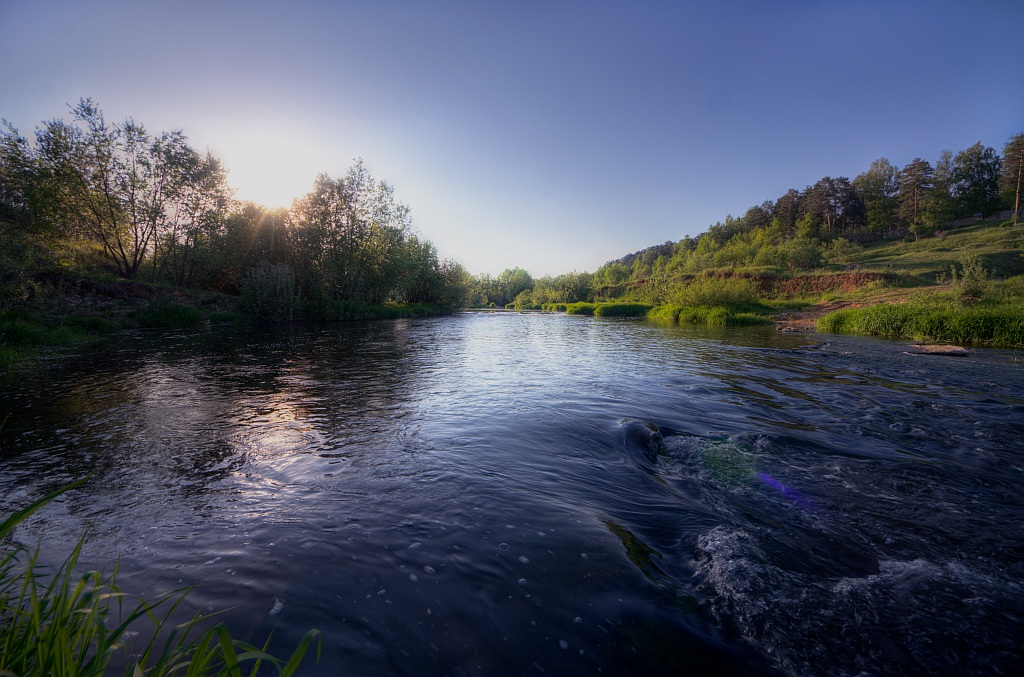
{"x":507,"y":494}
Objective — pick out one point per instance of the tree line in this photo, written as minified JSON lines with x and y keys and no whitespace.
{"x":90,"y":197}
{"x":829,"y":221}
{"x":825,"y":223}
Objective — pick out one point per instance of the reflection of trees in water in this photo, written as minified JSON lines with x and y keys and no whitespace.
{"x":179,"y":414}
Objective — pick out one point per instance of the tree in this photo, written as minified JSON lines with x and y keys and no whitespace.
{"x":353,"y":242}
{"x":915,"y":182}
{"x":879,"y":189}
{"x":833,"y":203}
{"x":975,"y":180}
{"x":787,"y":211}
{"x":510,"y":283}
{"x":1012,"y":172}
{"x":939,"y":206}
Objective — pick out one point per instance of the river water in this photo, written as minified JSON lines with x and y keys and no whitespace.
{"x":486,"y":494}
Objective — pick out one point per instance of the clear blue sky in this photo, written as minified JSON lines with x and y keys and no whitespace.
{"x":546,"y":134}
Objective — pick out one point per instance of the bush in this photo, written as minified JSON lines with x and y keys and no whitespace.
{"x":581,"y":308}
{"x":269,"y":292}
{"x":712,"y":317}
{"x":621,"y":310}
{"x":931,"y":321}
{"x":166,"y":313}
{"x":711,"y":292}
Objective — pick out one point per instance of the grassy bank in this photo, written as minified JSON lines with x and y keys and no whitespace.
{"x":60,"y":621}
{"x":937,"y":317}
{"x":719,"y":316}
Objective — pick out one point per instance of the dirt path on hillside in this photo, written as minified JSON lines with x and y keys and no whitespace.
{"x":807,"y":319}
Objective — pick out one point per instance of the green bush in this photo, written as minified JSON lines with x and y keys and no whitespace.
{"x":712,"y":292}
{"x":931,"y":321}
{"x":269,"y":292}
{"x":166,"y":313}
{"x":580,"y":308}
{"x":664,"y":314}
{"x":712,"y":317}
{"x":621,"y":310}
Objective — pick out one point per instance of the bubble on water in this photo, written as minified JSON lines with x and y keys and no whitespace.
{"x":577,"y":620}
{"x":584,"y":555}
{"x":522,"y":581}
{"x":540,"y":533}
{"x":563,"y":644}
{"x":278,"y":606}
{"x":524,"y":560}
{"x":413,"y":577}
{"x":382,"y":591}
{"x":503,"y":546}
{"x":429,"y":569}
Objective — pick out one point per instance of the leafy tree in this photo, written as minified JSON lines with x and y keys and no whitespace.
{"x":833,"y":203}
{"x":975,"y":180}
{"x":787,"y":211}
{"x":916,"y":179}
{"x":879,"y":189}
{"x":1010,"y":179}
{"x":510,"y":283}
{"x":939,"y":206}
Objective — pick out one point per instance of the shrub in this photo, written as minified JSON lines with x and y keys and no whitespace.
{"x":621,"y":310}
{"x":711,"y":292}
{"x":580,"y":308}
{"x":269,"y":292}
{"x":166,"y":313}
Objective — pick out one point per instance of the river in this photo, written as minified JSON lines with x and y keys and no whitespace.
{"x":486,"y":494}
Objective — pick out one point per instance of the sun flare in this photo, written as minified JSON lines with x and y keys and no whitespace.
{"x":268,"y":168}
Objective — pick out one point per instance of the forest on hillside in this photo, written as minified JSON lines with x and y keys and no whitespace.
{"x":87,"y":198}
{"x":824,"y":224}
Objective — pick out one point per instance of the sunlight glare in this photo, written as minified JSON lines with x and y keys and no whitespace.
{"x":271,"y":169}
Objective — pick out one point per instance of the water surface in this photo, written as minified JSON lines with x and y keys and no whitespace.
{"x":484,"y":494}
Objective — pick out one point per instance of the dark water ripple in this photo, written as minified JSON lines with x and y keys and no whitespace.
{"x":488,"y":495}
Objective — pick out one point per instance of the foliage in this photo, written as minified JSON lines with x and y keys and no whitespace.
{"x":621,"y":310}
{"x":1011,"y":178}
{"x":952,"y":322}
{"x":68,"y":623}
{"x":971,"y":278}
{"x":166,"y":313}
{"x":975,"y":180}
{"x":580,"y":308}
{"x":269,"y":292}
{"x":712,"y":317}
{"x":93,"y":197}
{"x":713,"y":292}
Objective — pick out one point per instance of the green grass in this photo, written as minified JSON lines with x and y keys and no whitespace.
{"x":621,"y":310}
{"x":607,"y":309}
{"x":167,"y":314}
{"x":22,"y":338}
{"x":67,"y":623}
{"x":941,"y":318}
{"x":719,"y":316}
{"x":580,"y":308}
{"x":999,"y":246}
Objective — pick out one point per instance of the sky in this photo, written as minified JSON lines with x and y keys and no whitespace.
{"x":550,"y":135}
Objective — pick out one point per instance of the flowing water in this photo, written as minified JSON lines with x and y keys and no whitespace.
{"x":536,"y":494}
